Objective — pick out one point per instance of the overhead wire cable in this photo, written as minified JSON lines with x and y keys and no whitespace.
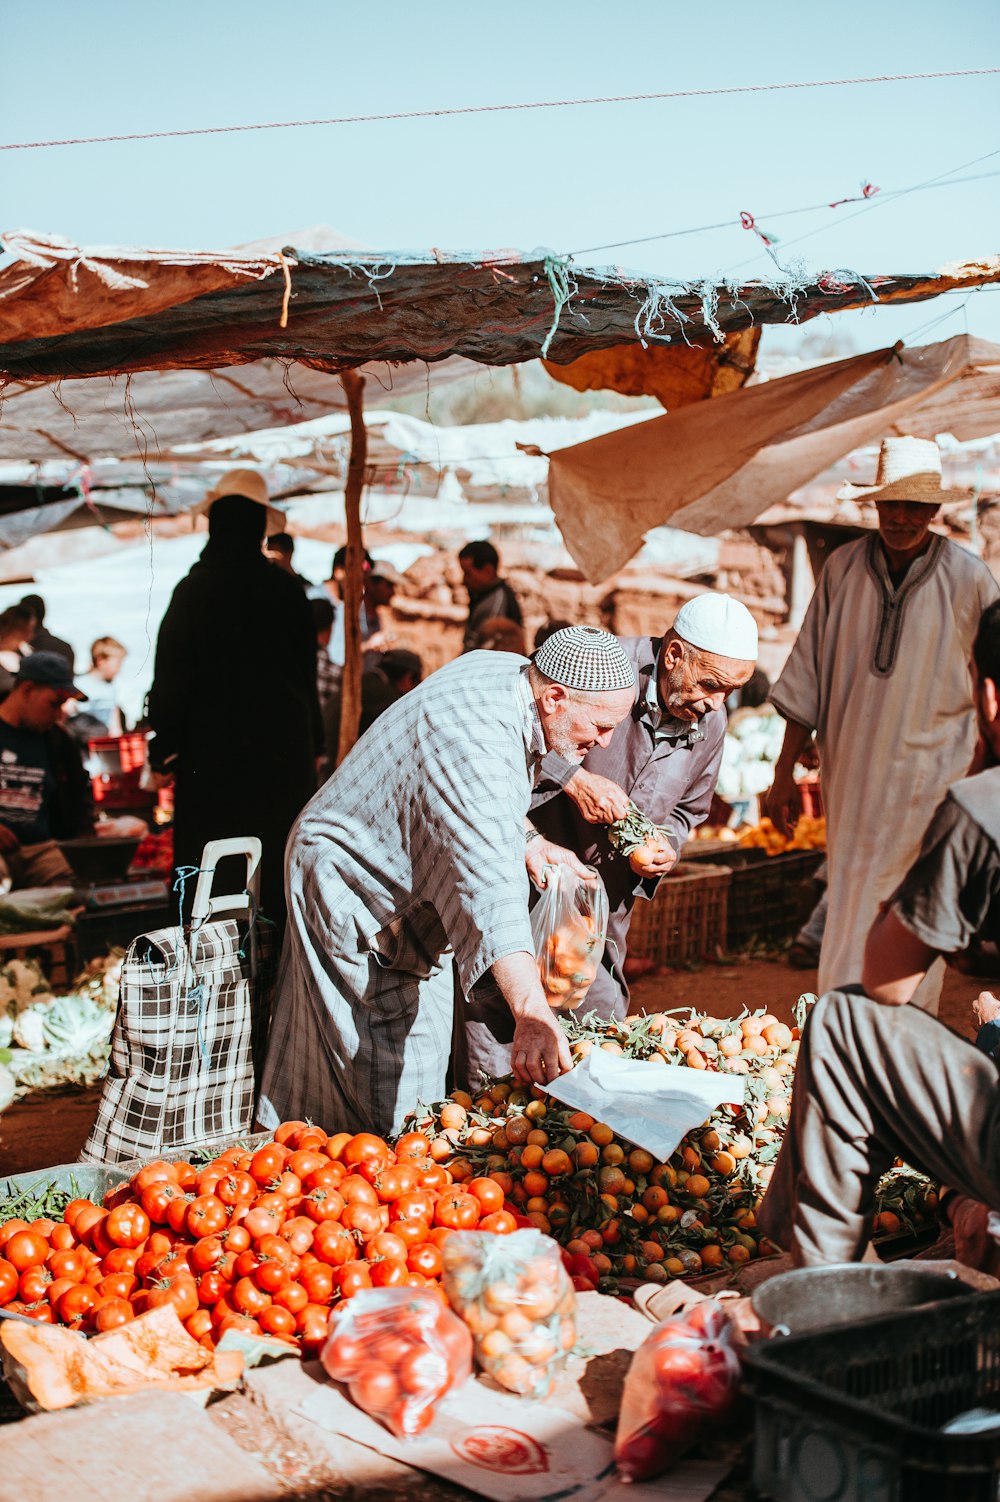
{"x":884,"y":195}
{"x":488,"y":109}
{"x":873,"y":203}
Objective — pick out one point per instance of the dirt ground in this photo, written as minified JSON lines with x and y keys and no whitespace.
{"x":725,"y":988}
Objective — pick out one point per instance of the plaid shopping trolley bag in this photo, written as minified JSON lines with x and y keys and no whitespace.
{"x":193,"y":1001}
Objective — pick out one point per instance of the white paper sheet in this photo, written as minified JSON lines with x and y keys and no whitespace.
{"x":652,"y":1105}
{"x":511,"y":1449}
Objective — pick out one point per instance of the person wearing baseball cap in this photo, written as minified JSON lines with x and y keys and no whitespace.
{"x":414,"y":847}
{"x":880,"y":673}
{"x":663,"y":757}
{"x":45,"y":794}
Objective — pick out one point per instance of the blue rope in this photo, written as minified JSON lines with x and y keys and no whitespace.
{"x":197,"y":996}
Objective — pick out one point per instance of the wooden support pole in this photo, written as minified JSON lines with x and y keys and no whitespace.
{"x":354,"y":581}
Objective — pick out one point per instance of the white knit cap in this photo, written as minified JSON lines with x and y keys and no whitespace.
{"x":587,"y":658}
{"x":718,"y":623}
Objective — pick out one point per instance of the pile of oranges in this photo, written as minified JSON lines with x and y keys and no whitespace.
{"x":809,"y":834}
{"x":616,"y":1211}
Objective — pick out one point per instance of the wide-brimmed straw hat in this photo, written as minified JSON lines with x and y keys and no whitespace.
{"x":909,"y":469}
{"x":248,"y":483}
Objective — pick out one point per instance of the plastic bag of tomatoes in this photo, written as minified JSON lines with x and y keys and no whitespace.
{"x":683,"y":1383}
{"x":517,"y":1300}
{"x":399,"y":1350}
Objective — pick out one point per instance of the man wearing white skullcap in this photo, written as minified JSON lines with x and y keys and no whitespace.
{"x":414,"y":847}
{"x":880,"y":672}
{"x":663,"y":757}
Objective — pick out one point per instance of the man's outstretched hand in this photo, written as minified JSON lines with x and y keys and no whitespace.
{"x":986,"y":1008}
{"x":599,"y":800}
{"x":539,"y":1051}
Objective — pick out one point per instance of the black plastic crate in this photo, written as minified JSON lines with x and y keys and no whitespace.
{"x":854,"y":1413}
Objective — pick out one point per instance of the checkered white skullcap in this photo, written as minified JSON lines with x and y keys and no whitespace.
{"x":587,"y":658}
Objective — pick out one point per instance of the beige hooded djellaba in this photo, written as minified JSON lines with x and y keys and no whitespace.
{"x":882,"y":675}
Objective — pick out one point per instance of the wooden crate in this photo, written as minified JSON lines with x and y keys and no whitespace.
{"x":686,"y":920}
{"x":771,"y":895}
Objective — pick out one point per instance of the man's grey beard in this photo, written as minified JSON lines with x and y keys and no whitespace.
{"x":566,"y":748}
{"x":559,"y":741}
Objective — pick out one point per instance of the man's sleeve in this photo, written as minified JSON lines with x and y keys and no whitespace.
{"x":169,"y":695}
{"x":946,"y":895}
{"x":554,"y":771}
{"x":796,"y":694}
{"x":303,"y":635}
{"x":472,"y":815}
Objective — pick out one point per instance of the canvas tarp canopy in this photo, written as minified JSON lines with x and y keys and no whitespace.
{"x":153,"y":412}
{"x":59,"y":495}
{"x":404,"y":452}
{"x":66,"y":311}
{"x":720,"y":464}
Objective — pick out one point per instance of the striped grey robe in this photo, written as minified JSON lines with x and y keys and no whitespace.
{"x":414,"y":847}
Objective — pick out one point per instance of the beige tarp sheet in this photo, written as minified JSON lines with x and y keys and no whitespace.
{"x":720,"y":464}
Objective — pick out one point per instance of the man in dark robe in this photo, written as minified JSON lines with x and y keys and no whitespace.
{"x":234,"y":706}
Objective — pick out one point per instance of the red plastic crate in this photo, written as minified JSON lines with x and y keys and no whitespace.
{"x":812,"y":798}
{"x":121,"y":759}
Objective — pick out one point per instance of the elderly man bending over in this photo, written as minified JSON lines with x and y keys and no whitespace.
{"x":876,"y":1078}
{"x":664,"y":757}
{"x":416,"y":846}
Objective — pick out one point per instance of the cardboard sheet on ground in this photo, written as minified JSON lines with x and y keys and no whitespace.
{"x":511,"y":1450}
{"x":652,"y":1105}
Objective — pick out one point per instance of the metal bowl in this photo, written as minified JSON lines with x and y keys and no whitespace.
{"x":814,"y":1298}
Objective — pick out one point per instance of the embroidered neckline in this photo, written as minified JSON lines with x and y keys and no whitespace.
{"x":893,"y":602}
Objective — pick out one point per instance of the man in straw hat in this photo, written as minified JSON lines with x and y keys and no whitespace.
{"x":413,"y":848}
{"x":664,"y":758}
{"x":880,"y":672}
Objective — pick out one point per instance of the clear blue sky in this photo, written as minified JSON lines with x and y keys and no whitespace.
{"x":565,"y":179}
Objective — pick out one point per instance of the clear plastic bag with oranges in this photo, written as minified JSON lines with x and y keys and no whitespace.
{"x":516,"y":1298}
{"x":569,"y":924}
{"x":400,"y":1351}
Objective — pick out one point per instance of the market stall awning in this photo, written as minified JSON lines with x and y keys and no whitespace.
{"x":73,"y":312}
{"x":721,"y":464}
{"x":152,"y":412}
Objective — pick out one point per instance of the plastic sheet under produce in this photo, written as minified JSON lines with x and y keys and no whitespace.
{"x":652,"y":1105}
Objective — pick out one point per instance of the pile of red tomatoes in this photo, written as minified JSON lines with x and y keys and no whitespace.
{"x":267,"y":1240}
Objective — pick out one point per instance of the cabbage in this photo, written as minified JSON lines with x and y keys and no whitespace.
{"x":29,"y":1027}
{"x":75,"y":1024}
{"x":6,"y":1029}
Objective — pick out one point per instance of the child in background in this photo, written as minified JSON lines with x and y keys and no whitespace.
{"x":106,"y":658}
